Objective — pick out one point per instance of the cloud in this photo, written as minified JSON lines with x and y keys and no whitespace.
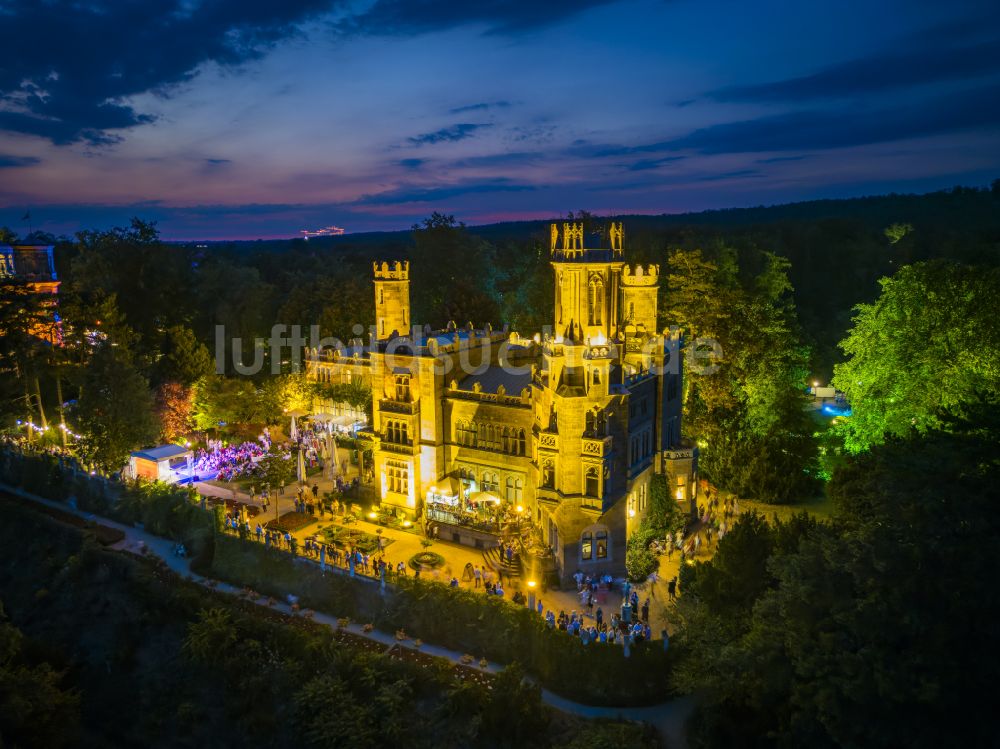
{"x":8,"y":161}
{"x":412,"y":163}
{"x":508,"y":159}
{"x":70,"y":66}
{"x":423,"y":194}
{"x":218,"y":162}
{"x":853,"y":126}
{"x":645,"y":164}
{"x":406,"y":17}
{"x":736,"y":174}
{"x":780,"y":159}
{"x":460,"y":131}
{"x":915,"y":66}
{"x":480,"y":107}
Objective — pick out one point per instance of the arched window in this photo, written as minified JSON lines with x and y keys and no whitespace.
{"x":505,"y":440}
{"x":593,"y":481}
{"x":491,"y":482}
{"x":595,"y":300}
{"x":402,"y":388}
{"x":514,"y":490}
{"x":520,"y":442}
{"x":586,"y":545}
{"x":602,"y":544}
{"x":549,"y":474}
{"x":594,"y":543}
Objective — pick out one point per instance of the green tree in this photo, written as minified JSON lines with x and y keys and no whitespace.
{"x":748,"y":415}
{"x":35,"y":710}
{"x":211,"y":637}
{"x":665,"y":514}
{"x":452,"y":274}
{"x":896,"y":232}
{"x":870,"y":631}
{"x":277,"y":469}
{"x":116,"y":409}
{"x":928,"y":347}
{"x":185,"y":359}
{"x":150,"y":281}
{"x":28,"y":331}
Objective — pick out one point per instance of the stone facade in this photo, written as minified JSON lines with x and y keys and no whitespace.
{"x":569,"y":427}
{"x":34,"y":265}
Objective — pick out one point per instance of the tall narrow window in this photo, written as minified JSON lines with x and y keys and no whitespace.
{"x":402,"y":388}
{"x":548,"y":474}
{"x":586,"y":545}
{"x":602,"y":544}
{"x":595,"y":301}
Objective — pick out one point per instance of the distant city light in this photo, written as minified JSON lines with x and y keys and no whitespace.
{"x":328,"y":231}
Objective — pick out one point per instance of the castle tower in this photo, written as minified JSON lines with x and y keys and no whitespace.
{"x":586,"y":283}
{"x":639,"y":288}
{"x":392,"y":298}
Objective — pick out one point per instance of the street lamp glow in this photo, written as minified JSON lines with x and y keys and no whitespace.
{"x":531,"y":583}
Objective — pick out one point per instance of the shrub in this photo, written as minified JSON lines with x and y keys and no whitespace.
{"x":458,"y":619}
{"x":291,"y":521}
{"x":640,"y":563}
{"x":426,"y":559}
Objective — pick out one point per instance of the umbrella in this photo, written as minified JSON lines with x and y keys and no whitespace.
{"x":300,"y":467}
{"x":294,"y":433}
{"x":449,"y":486}
{"x":485,"y":497}
{"x":334,"y":454}
{"x":330,"y":448}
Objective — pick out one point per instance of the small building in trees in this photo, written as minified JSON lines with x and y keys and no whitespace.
{"x":166,"y":463}
{"x":34,"y":266}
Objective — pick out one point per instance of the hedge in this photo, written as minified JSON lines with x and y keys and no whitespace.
{"x":161,"y":509}
{"x":455,"y":618}
{"x":458,"y":619}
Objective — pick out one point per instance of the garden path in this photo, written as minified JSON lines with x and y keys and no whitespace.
{"x":668,"y":717}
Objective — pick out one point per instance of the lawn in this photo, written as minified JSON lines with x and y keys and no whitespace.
{"x":819,"y":507}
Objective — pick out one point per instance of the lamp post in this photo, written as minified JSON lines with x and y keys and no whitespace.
{"x":531,"y":595}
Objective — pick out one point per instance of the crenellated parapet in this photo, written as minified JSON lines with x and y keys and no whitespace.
{"x":398,"y":270}
{"x":640,"y":275}
{"x":567,"y":242}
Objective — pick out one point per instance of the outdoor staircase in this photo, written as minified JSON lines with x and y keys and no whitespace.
{"x":494,"y":559}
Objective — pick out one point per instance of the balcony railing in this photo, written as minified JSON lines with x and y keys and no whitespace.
{"x":397,"y":407}
{"x":395,"y":447}
{"x":548,"y":441}
{"x":598,"y":447}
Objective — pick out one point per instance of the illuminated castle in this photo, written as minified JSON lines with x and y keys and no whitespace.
{"x":566,"y":427}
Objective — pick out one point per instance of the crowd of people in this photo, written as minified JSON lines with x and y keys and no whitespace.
{"x":230,"y":462}
{"x":715,"y":518}
{"x":627,"y":625}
